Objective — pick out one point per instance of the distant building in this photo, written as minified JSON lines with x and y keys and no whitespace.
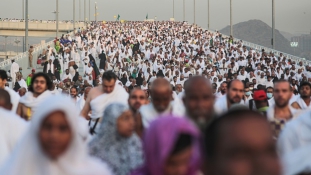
{"x":304,"y":42}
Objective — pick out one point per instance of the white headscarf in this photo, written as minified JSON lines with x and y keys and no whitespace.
{"x":28,"y":157}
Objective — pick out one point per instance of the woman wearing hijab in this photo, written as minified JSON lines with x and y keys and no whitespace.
{"x":94,"y":65}
{"x":124,"y":79}
{"x":102,"y":62}
{"x":52,"y":145}
{"x":171,"y":149}
{"x":139,"y":79}
{"x":116,"y":143}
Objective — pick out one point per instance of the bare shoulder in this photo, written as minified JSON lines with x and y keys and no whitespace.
{"x":296,"y":105}
{"x":94,"y":92}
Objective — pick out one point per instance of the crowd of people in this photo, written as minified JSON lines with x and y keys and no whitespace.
{"x":156,"y":98}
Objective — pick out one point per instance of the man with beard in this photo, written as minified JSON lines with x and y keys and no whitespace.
{"x":281,"y":112}
{"x":198,"y":101}
{"x":39,"y":89}
{"x":223,"y":90}
{"x":305,"y":93}
{"x":161,"y":95}
{"x":234,"y":96}
{"x":136,"y":99}
{"x":74,"y":93}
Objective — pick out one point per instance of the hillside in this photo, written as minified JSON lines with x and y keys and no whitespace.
{"x":258,"y":32}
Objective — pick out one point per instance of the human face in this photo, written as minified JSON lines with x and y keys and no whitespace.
{"x":73,"y":92}
{"x":305,"y":91}
{"x":39,"y":85}
{"x":2,"y":83}
{"x":21,"y":92}
{"x":199,"y":101}
{"x":236,"y":92}
{"x":223,"y":88}
{"x":249,"y":149}
{"x":178,"y":88}
{"x":161,"y":98}
{"x":108,"y":86}
{"x":137,"y":99}
{"x":282,"y":93}
{"x":126,"y":124}
{"x":178,"y":164}
{"x":55,"y":134}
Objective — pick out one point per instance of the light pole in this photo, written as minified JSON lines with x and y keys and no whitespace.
{"x":174,"y":9}
{"x":231,"y":29}
{"x":26,"y":25}
{"x":184,"y":10}
{"x":23,"y":17}
{"x":273,"y":25}
{"x":57,"y":18}
{"x":79,"y":10}
{"x":5,"y":46}
{"x":208,"y":14}
{"x":16,"y":42}
{"x":194,"y":11}
{"x":95,"y":11}
{"x":155,"y":18}
{"x":85,"y":12}
{"x":74,"y":15}
{"x":90,"y":10}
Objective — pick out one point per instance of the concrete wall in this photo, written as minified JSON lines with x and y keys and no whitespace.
{"x":8,"y":28}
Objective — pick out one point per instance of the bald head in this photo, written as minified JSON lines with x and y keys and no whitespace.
{"x":161,"y":84}
{"x":22,"y":91}
{"x":5,"y":100}
{"x":193,"y":82}
{"x":199,"y":100}
{"x":161,"y":94}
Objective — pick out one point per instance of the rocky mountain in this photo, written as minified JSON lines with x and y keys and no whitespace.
{"x":258,"y":32}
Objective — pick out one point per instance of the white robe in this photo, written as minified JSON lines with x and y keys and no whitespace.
{"x":295,"y":134}
{"x":12,"y":128}
{"x":30,"y":158}
{"x":50,"y":67}
{"x":14,"y":70}
{"x":23,"y":84}
{"x":221,"y":105}
{"x":14,"y":98}
{"x":98,"y":105}
{"x":297,"y":161}
{"x":149,"y":113}
{"x":33,"y":102}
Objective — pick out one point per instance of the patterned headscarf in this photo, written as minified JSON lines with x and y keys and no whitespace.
{"x":122,"y":154}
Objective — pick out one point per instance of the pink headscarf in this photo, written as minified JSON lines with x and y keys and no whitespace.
{"x":159,"y":142}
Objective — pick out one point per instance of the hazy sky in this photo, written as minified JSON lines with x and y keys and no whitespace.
{"x":292,"y":16}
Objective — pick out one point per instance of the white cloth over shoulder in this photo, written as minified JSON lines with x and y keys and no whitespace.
{"x":149,"y":114}
{"x":12,"y":127}
{"x":98,"y":105}
{"x":298,"y":161}
{"x":296,"y":134}
{"x":28,"y":158}
{"x":302,"y":103}
{"x":221,"y":105}
{"x":32,"y":102}
{"x":14,"y":98}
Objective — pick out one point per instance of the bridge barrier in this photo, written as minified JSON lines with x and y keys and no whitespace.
{"x":22,"y":59}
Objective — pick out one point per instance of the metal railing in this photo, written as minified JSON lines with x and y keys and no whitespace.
{"x":268,"y":50}
{"x":22,"y":59}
